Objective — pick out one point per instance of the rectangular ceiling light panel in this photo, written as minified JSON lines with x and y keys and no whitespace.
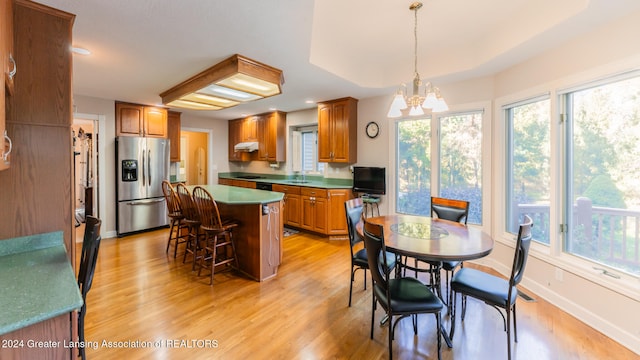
{"x":235,"y":80}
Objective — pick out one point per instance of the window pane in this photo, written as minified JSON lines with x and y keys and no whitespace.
{"x":414,"y":167}
{"x":461,"y":161}
{"x":604,"y":178}
{"x":308,"y":151}
{"x":528,"y":177}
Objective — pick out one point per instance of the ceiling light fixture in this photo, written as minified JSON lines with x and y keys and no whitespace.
{"x":233,"y":81}
{"x":427,"y":97}
{"x":80,"y":51}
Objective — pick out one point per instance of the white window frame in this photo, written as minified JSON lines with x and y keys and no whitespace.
{"x":553,"y":254}
{"x":487,"y":150}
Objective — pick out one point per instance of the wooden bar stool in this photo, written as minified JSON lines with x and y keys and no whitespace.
{"x":192,"y":221}
{"x":174,"y":211}
{"x":219,"y":248}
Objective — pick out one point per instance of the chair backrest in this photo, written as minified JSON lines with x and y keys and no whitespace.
{"x":374,"y":243}
{"x":171,"y":198}
{"x":207,"y":209}
{"x":186,"y":203}
{"x":450,"y":209}
{"x":522,"y":251}
{"x":353,"y":210}
{"x":89,"y":256}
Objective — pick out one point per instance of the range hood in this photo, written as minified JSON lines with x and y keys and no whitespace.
{"x":246,"y":146}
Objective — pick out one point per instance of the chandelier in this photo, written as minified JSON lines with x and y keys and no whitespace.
{"x":427,"y":96}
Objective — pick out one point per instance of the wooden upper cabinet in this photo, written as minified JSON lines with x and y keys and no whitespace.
{"x":236,"y":128}
{"x":250,"y":128}
{"x":271,"y":135}
{"x":268,"y":130}
{"x":155,"y":122}
{"x":140,"y":120}
{"x":129,"y":119}
{"x":173,"y":119}
{"x":337,"y":131}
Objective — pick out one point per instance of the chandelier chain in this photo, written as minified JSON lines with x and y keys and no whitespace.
{"x":415,"y":41}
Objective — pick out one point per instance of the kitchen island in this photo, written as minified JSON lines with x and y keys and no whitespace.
{"x":258,"y":238}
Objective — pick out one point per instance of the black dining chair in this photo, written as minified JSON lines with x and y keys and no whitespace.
{"x":446,"y":209}
{"x":88,"y":259}
{"x":400,"y":296}
{"x":354,"y":210}
{"x":495,"y":291}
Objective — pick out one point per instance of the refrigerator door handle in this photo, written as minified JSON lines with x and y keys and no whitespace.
{"x":149,"y":165}
{"x":145,"y":202}
{"x":144,"y":171}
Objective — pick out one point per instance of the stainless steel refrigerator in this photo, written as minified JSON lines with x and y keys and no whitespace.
{"x":141,"y":166}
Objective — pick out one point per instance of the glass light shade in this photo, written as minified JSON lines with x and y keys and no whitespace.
{"x":399,"y":102}
{"x":430,"y":101}
{"x":440,"y":106}
{"x":416,"y":111}
{"x":397,"y":105}
{"x":394,"y":113}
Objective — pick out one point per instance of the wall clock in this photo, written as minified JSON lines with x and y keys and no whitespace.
{"x":372,"y":129}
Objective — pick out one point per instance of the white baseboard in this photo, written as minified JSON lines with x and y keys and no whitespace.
{"x":627,"y":339}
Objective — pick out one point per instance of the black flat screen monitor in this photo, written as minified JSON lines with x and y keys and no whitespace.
{"x":369,"y":180}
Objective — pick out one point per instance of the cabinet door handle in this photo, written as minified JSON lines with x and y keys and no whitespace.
{"x":5,"y":156}
{"x":14,"y":69}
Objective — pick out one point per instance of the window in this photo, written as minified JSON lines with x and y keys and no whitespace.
{"x":459,"y":163}
{"x":527,"y":166}
{"x":309,"y":150}
{"x":602,"y":210}
{"x":413,"y":182}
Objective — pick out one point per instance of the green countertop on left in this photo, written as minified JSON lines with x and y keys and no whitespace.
{"x":37,"y":281}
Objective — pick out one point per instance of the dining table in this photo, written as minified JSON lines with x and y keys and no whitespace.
{"x":431,"y":239}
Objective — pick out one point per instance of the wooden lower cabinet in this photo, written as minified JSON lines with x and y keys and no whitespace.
{"x":292,"y":206}
{"x":314,"y":210}
{"x":337,"y":220}
{"x":43,"y":340}
{"x":244,"y":183}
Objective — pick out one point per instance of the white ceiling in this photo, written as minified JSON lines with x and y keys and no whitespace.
{"x":326,"y":49}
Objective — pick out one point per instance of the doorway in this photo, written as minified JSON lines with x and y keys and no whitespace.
{"x":88,"y":166}
{"x":193,"y":167}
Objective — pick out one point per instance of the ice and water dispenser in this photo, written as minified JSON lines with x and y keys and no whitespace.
{"x":129,"y":170}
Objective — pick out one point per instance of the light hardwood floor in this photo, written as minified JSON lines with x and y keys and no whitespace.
{"x":143,"y":297}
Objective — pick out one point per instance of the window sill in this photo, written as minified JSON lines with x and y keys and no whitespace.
{"x":626,"y":285}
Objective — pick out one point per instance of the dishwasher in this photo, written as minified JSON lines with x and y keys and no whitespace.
{"x":263,"y":186}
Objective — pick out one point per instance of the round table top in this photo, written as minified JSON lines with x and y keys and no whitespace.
{"x":432,"y":239}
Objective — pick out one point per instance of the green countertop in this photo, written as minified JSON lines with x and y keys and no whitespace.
{"x":37,"y":281}
{"x":233,"y":195}
{"x":310,"y":181}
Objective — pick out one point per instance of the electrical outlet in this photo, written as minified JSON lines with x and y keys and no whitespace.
{"x":559,"y":274}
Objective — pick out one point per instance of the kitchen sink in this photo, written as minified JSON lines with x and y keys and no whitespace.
{"x":298,"y":181}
